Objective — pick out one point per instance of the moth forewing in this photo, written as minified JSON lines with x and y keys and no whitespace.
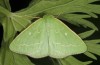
{"x":62,"y":40}
{"x":32,"y":41}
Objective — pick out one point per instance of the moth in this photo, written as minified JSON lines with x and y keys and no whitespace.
{"x":48,"y":36}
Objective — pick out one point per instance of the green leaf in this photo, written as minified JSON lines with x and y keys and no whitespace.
{"x":40,"y":7}
{"x":61,"y":7}
{"x":2,"y":3}
{"x":64,"y":62}
{"x":5,"y":4}
{"x":93,"y":8}
{"x":93,"y":46}
{"x":91,"y":1}
{"x":86,"y":34}
{"x":12,"y":58}
{"x":8,"y":28}
{"x":19,"y":22}
{"x":70,"y":18}
{"x":73,"y":61}
{"x":95,"y":41}
{"x":55,"y":61}
{"x":8,"y":57}
{"x":12,"y":24}
{"x":33,"y":2}
{"x":88,"y":62}
{"x":4,"y":11}
{"x":78,"y":19}
{"x":2,"y":16}
{"x":74,"y":6}
{"x":90,"y":55}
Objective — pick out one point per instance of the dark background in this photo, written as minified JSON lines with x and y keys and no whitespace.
{"x":19,"y":4}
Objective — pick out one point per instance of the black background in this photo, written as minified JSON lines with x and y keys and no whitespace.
{"x":19,"y":4}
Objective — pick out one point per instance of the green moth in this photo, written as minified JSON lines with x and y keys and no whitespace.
{"x":48,"y":36}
